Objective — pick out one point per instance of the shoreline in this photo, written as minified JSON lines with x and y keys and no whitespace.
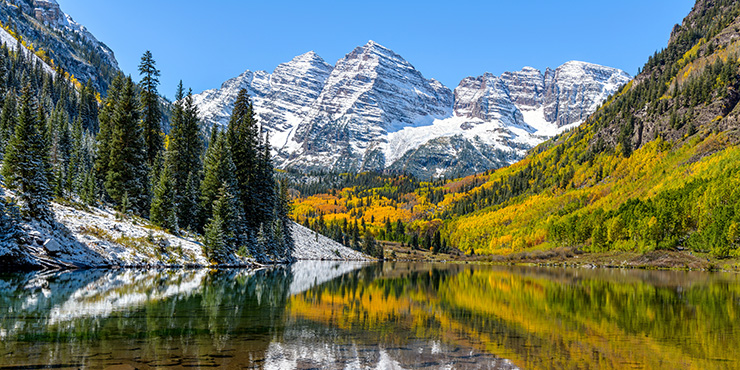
{"x":677,"y":260}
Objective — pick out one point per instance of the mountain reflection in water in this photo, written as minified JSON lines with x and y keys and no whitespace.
{"x":342,"y":315}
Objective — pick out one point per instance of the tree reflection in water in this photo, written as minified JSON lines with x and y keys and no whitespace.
{"x":341,"y":315}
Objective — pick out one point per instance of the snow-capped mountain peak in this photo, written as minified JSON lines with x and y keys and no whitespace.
{"x":373,"y":110}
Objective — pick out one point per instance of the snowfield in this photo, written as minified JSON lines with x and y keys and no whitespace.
{"x":98,"y":237}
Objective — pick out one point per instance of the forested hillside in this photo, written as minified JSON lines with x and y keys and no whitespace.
{"x":657,"y":166}
{"x":58,"y":144}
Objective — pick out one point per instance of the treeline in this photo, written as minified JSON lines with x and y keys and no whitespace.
{"x":57,"y":142}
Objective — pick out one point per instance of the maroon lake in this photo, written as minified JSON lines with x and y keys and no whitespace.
{"x":339,"y":315}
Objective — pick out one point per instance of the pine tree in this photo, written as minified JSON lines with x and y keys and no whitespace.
{"x":26,"y":163}
{"x":283,"y":208}
{"x":77,"y":168}
{"x":150,"y":111}
{"x":437,"y":243}
{"x":105,"y":134}
{"x":400,"y":232}
{"x":88,"y":108}
{"x":226,"y":209}
{"x":184,"y":154}
{"x":189,"y":207}
{"x":127,"y":169}
{"x":214,"y":239}
{"x":10,"y":232}
{"x":163,"y":211}
{"x":242,"y":137}
{"x":7,"y":122}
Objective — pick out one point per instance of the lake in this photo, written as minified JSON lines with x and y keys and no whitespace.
{"x":343,"y":315}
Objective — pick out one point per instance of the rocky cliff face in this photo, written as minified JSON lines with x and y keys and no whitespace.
{"x":68,"y":43}
{"x":371,"y":92}
{"x":281,"y":99}
{"x":373,"y":110}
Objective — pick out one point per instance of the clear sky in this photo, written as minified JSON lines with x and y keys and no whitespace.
{"x":207,"y":42}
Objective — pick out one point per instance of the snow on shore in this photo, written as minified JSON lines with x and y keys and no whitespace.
{"x":98,"y":237}
{"x":310,"y":245}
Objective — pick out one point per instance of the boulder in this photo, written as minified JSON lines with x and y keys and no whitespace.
{"x":52,"y":247}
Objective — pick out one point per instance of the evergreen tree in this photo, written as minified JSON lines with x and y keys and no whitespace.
{"x":150,"y":111}
{"x":105,"y":134}
{"x":242,"y":136}
{"x":184,"y":154}
{"x":26,"y":163}
{"x":164,"y":209}
{"x":264,"y":185}
{"x":10,"y":232}
{"x":127,"y":169}
{"x":400,"y":232}
{"x":7,"y":122}
{"x":437,"y":243}
{"x":88,"y":108}
{"x":214,"y":243}
{"x":189,"y":207}
{"x":415,"y":241}
{"x":283,"y":207}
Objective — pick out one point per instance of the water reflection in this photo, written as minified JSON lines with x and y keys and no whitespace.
{"x":354,"y":315}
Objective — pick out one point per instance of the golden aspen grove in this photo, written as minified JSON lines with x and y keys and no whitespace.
{"x":655,"y":167}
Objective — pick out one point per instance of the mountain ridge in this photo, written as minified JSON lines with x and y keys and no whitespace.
{"x":373,"y":108}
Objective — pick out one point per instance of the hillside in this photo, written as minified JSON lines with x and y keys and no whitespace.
{"x":83,"y":236}
{"x":43,"y":27}
{"x":655,"y":167}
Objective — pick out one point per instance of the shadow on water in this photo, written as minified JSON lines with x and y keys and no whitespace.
{"x":355,"y":315}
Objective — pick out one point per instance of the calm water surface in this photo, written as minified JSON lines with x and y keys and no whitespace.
{"x":380,"y":316}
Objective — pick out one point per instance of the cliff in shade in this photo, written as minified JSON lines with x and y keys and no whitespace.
{"x":59,"y":38}
{"x":373,"y":110}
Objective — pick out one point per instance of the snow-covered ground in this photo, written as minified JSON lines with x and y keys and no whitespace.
{"x":99,"y":237}
{"x":310,"y":245}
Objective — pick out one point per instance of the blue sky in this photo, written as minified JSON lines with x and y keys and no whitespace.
{"x":206,"y":42}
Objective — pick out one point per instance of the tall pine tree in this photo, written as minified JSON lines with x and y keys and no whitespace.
{"x":26,"y":164}
{"x":126,"y":177}
{"x":150,"y":111}
{"x":242,"y":136}
{"x":164,"y":209}
{"x":184,"y":155}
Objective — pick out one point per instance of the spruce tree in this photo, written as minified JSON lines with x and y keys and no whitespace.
{"x":10,"y":232}
{"x":214,"y":239}
{"x":219,"y":181}
{"x":242,"y":137}
{"x":283,"y":208}
{"x":26,"y":163}
{"x":126,"y":177}
{"x":184,"y":155}
{"x":150,"y":111}
{"x":189,"y":206}
{"x":105,"y":135}
{"x":163,"y":211}
{"x":263,"y":188}
{"x":7,"y":122}
{"x":88,"y":108}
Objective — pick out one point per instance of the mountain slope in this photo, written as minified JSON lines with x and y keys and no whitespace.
{"x":657,"y":166}
{"x":373,"y":111}
{"x":45,"y":28}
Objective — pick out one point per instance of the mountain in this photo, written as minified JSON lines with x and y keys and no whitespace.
{"x":58,"y":40}
{"x":655,"y":168}
{"x":281,"y":99}
{"x":373,"y":110}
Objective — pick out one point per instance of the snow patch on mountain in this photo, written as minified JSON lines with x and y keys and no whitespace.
{"x":374,"y":109}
